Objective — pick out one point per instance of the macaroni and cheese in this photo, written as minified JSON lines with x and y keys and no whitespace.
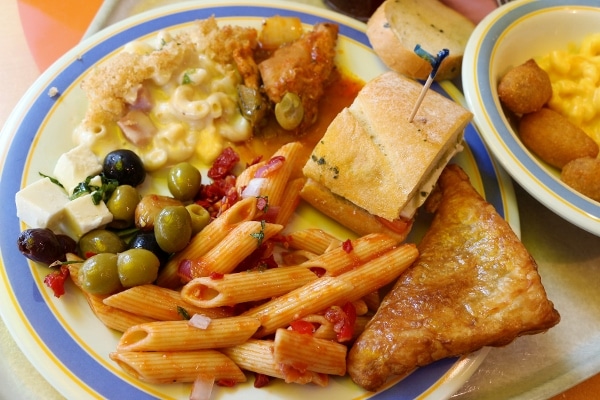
{"x":575,"y":77}
{"x":170,"y":101}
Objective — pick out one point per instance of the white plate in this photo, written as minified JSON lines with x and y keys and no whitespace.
{"x":61,"y":337}
{"x":507,"y":37}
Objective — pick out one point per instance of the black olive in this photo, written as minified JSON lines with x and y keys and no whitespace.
{"x":125,"y":166}
{"x":67,"y":243}
{"x":40,"y":245}
{"x":147,"y":240}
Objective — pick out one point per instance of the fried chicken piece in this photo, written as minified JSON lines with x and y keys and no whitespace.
{"x":473,"y":285}
{"x":303,"y":68}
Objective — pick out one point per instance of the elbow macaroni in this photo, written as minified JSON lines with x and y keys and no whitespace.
{"x":192,"y":102}
{"x":575,"y":77}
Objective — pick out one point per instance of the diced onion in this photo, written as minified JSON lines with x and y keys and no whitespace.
{"x":202,"y":387}
{"x":199,"y":321}
{"x":253,"y":188}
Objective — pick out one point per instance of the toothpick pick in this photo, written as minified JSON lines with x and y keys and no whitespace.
{"x":435,"y":62}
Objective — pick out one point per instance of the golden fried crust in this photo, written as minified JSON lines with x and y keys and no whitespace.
{"x":473,"y":285}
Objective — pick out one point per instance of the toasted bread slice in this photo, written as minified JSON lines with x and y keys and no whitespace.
{"x":473,"y":285}
{"x":397,"y":26}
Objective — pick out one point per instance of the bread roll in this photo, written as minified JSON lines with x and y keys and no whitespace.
{"x":397,"y":26}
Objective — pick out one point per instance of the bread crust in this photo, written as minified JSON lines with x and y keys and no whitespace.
{"x":387,"y":27}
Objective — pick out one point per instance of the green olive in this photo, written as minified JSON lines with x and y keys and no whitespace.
{"x":100,"y":241}
{"x":184,"y":181}
{"x":122,"y":204}
{"x":173,"y":228}
{"x":289,"y":111}
{"x":200,"y":217}
{"x":137,"y":267}
{"x":99,"y":274}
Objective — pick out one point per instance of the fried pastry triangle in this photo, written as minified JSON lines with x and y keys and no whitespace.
{"x":473,"y":285}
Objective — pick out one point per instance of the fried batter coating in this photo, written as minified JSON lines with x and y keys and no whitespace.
{"x":583,"y":175}
{"x":554,"y":139}
{"x":473,"y":285}
{"x":525,"y":88}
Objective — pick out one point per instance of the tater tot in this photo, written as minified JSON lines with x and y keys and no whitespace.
{"x":583,"y":175}
{"x":554,"y":139}
{"x":525,"y":88}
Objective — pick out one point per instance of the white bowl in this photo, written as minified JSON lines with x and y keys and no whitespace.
{"x":507,"y":37}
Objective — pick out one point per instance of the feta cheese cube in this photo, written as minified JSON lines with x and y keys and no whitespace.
{"x":75,"y":165}
{"x":82,"y":215}
{"x":41,"y":204}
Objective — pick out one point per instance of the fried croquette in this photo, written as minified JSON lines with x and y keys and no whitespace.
{"x":554,"y":139}
{"x":583,"y":175}
{"x":525,"y":88}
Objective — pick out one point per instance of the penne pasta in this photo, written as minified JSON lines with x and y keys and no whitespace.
{"x":182,"y":336}
{"x":379,"y":272}
{"x":308,"y":299}
{"x":209,"y":237}
{"x":114,"y":318}
{"x":313,"y":240}
{"x":244,"y":238}
{"x":305,"y":352}
{"x":177,"y":366}
{"x":276,"y":181}
{"x":159,"y":303}
{"x":327,"y":291}
{"x":291,"y":198}
{"x":361,"y":250}
{"x":257,"y":356}
{"x":245,"y":286}
{"x":324,"y":329}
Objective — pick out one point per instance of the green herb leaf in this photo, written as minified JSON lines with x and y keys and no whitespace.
{"x":53,"y":180}
{"x":183,"y":312}
{"x":260,"y":236}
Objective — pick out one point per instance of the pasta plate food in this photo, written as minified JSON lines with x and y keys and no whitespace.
{"x":65,"y":341}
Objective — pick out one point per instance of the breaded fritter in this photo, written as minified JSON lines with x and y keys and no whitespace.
{"x":525,"y":88}
{"x":554,"y":139}
{"x":473,"y":285}
{"x":583,"y":175}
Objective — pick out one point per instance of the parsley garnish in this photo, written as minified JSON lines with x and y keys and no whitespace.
{"x":53,"y":180}
{"x":183,"y":312}
{"x":260,"y":236}
{"x":98,"y":193}
{"x":186,"y":78}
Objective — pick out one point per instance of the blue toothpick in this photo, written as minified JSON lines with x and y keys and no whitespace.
{"x":435,"y":62}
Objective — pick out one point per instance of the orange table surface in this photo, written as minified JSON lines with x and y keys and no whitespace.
{"x":53,"y":27}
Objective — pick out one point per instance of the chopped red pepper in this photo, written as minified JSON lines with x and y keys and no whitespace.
{"x":347,"y":246}
{"x":303,"y":327}
{"x":226,"y":382}
{"x":343,"y":320}
{"x":261,"y":380}
{"x":224,"y":163}
{"x":216,"y":275}
{"x":56,"y":280}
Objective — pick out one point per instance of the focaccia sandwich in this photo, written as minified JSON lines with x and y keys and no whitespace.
{"x":376,"y":166}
